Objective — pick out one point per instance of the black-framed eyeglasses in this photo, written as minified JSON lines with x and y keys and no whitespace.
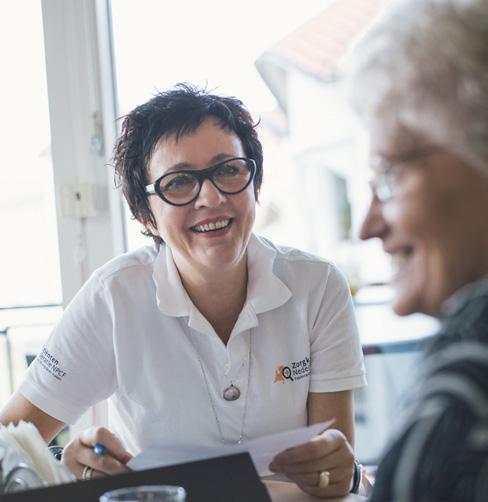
{"x":179,"y":188}
{"x":384,"y":183}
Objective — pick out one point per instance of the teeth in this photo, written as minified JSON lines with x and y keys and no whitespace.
{"x":212,"y":226}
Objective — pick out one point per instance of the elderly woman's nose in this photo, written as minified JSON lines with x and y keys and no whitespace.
{"x":374,"y":224}
{"x":209,"y":195}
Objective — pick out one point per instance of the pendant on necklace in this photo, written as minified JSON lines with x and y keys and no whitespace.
{"x":231,"y":393}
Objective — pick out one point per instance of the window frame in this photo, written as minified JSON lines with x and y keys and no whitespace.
{"x":82,"y":106}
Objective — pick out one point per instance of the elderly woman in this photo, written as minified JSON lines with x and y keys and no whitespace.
{"x":420,"y":81}
{"x":212,"y":335}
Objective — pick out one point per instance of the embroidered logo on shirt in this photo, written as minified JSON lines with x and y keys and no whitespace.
{"x":294,"y":371}
{"x":50,"y":364}
{"x":279,"y":375}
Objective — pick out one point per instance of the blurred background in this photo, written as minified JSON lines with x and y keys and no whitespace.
{"x":71,"y":68}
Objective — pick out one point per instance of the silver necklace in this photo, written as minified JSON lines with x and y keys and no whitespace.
{"x":232,"y":392}
{"x":232,"y":388}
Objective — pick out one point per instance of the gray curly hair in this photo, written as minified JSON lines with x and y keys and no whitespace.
{"x":426,"y":62}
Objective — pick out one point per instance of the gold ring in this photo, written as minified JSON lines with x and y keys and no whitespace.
{"x":324,"y":478}
{"x":87,"y":473}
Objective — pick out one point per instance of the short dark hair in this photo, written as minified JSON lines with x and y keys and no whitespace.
{"x":179,"y":111}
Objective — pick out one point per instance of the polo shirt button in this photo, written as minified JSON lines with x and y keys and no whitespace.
{"x":226,"y":368}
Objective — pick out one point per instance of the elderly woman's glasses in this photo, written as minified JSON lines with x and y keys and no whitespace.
{"x":387,"y":171}
{"x":180,"y":188}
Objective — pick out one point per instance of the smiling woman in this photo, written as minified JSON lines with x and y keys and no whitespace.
{"x":187,"y":338}
{"x":428,"y":122}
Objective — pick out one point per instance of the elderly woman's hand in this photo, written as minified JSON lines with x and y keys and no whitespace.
{"x":81,"y":459}
{"x":328,"y":452}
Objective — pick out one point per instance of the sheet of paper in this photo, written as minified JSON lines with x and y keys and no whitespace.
{"x":262,"y":450}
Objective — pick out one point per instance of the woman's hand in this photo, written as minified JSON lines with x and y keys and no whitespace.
{"x":328,"y":452}
{"x":84,"y":463}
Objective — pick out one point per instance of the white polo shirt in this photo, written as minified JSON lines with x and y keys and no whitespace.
{"x":132,"y":335}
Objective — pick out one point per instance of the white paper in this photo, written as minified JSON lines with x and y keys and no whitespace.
{"x":262,"y":450}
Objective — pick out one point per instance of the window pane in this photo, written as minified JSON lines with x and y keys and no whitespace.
{"x":29,"y":265}
{"x":282,"y":60}
{"x":158,"y":44}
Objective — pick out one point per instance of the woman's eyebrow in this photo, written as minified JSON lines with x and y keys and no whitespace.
{"x":181,"y":166}
{"x":222,"y":156}
{"x":178,"y":167}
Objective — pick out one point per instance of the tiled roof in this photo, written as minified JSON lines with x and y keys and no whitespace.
{"x":318,"y":45}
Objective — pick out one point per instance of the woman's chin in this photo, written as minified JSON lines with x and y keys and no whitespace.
{"x":401,"y":308}
{"x":223,"y":259}
{"x":405,"y":300}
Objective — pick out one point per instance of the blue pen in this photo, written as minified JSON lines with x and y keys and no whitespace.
{"x":99,"y":449}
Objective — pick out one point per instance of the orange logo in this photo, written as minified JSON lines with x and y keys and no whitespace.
{"x":279,"y":375}
{"x":296,"y":371}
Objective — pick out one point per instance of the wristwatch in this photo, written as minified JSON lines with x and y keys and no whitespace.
{"x":356,"y":480}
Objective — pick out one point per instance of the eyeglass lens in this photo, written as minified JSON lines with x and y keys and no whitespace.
{"x":389,"y":171}
{"x":229,"y":177}
{"x":384,"y":186}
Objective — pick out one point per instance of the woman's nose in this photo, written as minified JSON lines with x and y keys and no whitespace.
{"x":209,"y":196}
{"x":374,"y":224}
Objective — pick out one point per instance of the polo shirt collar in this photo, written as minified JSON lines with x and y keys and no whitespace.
{"x":171,"y":296}
{"x":265,"y":290}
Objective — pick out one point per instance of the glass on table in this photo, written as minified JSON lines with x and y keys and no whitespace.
{"x":149,"y":493}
